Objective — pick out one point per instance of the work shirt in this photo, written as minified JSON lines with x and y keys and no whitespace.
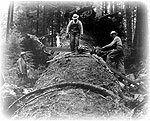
{"x":22,"y":66}
{"x":117,"y":43}
{"x":75,"y":27}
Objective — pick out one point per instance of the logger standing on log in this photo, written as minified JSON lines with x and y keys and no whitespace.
{"x":116,"y":56}
{"x":75,"y":28}
{"x":22,"y":68}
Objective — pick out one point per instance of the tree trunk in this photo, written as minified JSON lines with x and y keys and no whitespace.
{"x":44,"y":22}
{"x":111,"y":7}
{"x":115,"y":6}
{"x":52,"y":29}
{"x":140,"y":38}
{"x":12,"y":14}
{"x":106,"y":5}
{"x":103,"y":8}
{"x":49,"y":20}
{"x":9,"y":19}
{"x":37,"y":25}
{"x":58,"y":20}
{"x":129,"y":24}
{"x":133,"y":22}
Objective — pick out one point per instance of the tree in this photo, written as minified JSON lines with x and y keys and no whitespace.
{"x":140,"y":37}
{"x":111,"y":7}
{"x":44,"y":21}
{"x":115,"y":6}
{"x":103,"y":8}
{"x":58,"y":20}
{"x":106,"y":5}
{"x":129,"y":24}
{"x":37,"y":25}
{"x":9,"y":19}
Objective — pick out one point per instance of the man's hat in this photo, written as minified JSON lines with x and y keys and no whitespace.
{"x":22,"y":53}
{"x":113,"y":32}
{"x":75,"y":16}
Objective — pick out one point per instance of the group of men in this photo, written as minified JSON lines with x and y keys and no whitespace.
{"x":116,"y":56}
{"x":74,"y":31}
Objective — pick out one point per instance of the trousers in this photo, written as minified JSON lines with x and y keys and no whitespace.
{"x":116,"y":60}
{"x":74,"y":41}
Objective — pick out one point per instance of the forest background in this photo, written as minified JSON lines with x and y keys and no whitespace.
{"x":40,"y":19}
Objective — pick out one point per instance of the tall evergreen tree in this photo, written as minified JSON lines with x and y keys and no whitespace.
{"x":129,"y":24}
{"x":140,"y":37}
{"x":10,"y":18}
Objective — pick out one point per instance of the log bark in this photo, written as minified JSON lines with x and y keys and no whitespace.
{"x":100,"y":90}
{"x":79,"y":86}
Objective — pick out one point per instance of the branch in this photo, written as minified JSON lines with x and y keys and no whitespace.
{"x":97,"y":89}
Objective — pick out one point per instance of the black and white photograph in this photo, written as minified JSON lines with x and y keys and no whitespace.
{"x":74,"y":60}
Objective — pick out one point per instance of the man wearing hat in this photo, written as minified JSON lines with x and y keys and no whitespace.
{"x":22,"y":68}
{"x":116,"y":55}
{"x":75,"y":28}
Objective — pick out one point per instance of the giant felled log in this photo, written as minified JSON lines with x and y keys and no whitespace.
{"x":79,"y":82}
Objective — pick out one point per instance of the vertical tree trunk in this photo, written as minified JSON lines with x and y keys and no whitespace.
{"x":52,"y":29}
{"x":59,"y":18}
{"x":103,"y":8}
{"x":9,"y":19}
{"x":122,"y":7}
{"x":8,"y":24}
{"x":111,"y":7}
{"x":115,"y":6}
{"x":37,"y":25}
{"x":44,"y":22}
{"x":49,"y":20}
{"x":129,"y":26}
{"x":12,"y":14}
{"x":140,"y":37}
{"x":106,"y":5}
{"x":133,"y":22}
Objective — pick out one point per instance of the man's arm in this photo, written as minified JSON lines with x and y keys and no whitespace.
{"x":81,"y":28}
{"x":68,"y":27}
{"x":109,"y":45}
